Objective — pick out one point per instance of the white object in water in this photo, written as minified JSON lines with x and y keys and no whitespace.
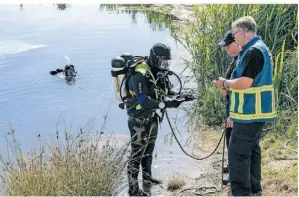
{"x":68,"y":60}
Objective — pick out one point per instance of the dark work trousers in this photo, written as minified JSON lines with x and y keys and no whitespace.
{"x":244,"y":158}
{"x":143,"y":138}
{"x":227,"y":135}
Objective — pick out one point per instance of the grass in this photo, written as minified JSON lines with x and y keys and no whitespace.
{"x":279,"y":148}
{"x":207,"y":140}
{"x":72,"y":165}
{"x":281,"y":180}
{"x":175,"y":182}
{"x":279,"y":166}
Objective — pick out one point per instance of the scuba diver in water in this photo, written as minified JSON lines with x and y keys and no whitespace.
{"x":145,"y":90}
{"x":69,"y":71}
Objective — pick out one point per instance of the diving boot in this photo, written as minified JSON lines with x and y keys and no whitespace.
{"x":155,"y":181}
{"x":147,"y":186}
{"x":137,"y":192}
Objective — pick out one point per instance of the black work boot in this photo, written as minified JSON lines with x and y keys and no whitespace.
{"x":229,"y":193}
{"x":225,"y":170}
{"x":225,"y":181}
{"x":257,"y":194}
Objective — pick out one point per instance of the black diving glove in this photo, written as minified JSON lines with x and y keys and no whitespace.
{"x":188,"y":97}
{"x":172,"y":104}
{"x":185,"y":97}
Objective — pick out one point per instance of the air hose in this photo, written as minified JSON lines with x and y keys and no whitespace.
{"x":193,"y":157}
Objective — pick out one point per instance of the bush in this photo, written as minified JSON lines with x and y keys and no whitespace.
{"x":175,"y":183}
{"x":73,"y":165}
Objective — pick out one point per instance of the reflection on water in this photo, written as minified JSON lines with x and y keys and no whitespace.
{"x":62,"y":6}
{"x":156,"y":20}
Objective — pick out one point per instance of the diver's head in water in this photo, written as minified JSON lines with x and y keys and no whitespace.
{"x":70,"y":73}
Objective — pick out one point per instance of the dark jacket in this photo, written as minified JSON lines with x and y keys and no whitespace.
{"x":228,"y":73}
{"x":144,"y":99}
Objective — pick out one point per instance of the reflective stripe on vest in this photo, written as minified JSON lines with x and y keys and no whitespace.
{"x":256,"y":91}
{"x":252,"y":116}
{"x":257,"y":103}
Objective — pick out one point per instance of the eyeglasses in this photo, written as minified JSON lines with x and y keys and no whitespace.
{"x":236,"y":32}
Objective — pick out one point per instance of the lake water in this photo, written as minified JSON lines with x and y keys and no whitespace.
{"x":34,"y":40}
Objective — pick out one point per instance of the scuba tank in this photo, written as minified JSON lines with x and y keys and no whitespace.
{"x":122,"y":67}
{"x":126,"y":56}
{"x":118,"y":72}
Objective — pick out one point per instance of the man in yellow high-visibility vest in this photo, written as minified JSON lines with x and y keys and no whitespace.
{"x":251,"y":106}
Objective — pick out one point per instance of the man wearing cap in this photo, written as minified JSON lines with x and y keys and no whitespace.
{"x":251,"y":106}
{"x":233,"y":50}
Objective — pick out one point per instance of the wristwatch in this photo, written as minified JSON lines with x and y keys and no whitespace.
{"x":161,"y":105}
{"x":225,"y":86}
